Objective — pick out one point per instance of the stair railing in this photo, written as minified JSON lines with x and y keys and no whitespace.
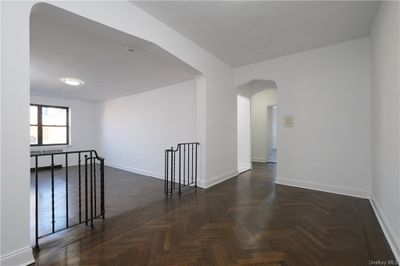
{"x":181,"y":167}
{"x":87,"y":187}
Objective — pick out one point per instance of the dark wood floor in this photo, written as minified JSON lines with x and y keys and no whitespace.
{"x":246,"y":220}
{"x":124,"y":191}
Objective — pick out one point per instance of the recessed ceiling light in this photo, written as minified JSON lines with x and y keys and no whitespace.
{"x":72,"y":81}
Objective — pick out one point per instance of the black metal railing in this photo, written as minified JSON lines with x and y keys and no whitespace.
{"x":181,"y":167}
{"x":88,"y":185}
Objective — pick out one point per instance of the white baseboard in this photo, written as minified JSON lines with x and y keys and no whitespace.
{"x":135,"y":170}
{"x":259,"y":160}
{"x":323,"y":187}
{"x":20,"y":257}
{"x":243,"y":167}
{"x":201,"y":182}
{"x":218,"y":179}
{"x":387,"y":228}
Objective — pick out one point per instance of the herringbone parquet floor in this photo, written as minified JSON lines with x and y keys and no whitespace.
{"x":247,"y":220}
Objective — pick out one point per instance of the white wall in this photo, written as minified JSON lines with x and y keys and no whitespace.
{"x":385,"y":47}
{"x":15,"y":182}
{"x":83,"y":133}
{"x":217,"y":102}
{"x":135,"y":130}
{"x":261,"y":124}
{"x":327,"y":90}
{"x":244,"y":133}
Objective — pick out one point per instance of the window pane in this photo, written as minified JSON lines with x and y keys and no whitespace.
{"x":54,"y":116}
{"x":34,"y":135}
{"x":54,"y":135}
{"x":33,"y":114}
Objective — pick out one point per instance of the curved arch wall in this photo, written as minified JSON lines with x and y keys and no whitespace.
{"x":216,"y":103}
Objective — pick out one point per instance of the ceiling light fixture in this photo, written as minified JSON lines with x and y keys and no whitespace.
{"x":72,"y":81}
{"x":130,"y":49}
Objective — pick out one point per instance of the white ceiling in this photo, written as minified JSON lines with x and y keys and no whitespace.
{"x":67,"y":45}
{"x":244,"y":32}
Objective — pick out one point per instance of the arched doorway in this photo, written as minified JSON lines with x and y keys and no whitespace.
{"x":256,"y":123}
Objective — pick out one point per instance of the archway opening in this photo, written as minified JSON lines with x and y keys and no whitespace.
{"x":257,"y":129}
{"x":99,"y":92}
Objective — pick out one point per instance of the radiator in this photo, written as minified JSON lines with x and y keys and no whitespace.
{"x":46,"y":151}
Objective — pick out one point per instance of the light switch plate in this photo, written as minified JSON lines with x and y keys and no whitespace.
{"x":288,"y":121}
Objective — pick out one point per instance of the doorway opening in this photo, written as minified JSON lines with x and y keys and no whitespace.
{"x":257,"y":115}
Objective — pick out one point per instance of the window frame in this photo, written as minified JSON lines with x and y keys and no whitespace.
{"x":40,"y":125}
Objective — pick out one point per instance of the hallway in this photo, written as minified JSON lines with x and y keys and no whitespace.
{"x":244,"y":220}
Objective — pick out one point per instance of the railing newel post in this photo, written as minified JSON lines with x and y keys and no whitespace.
{"x":167,"y":173}
{"x":79,"y":188}
{"x":66,"y":192}
{"x":195,"y":185}
{"x":53,"y":221}
{"x":86,"y":191}
{"x":191,"y":146}
{"x":172,"y":167}
{"x":180,"y":159}
{"x":36,"y":205}
{"x":91,"y":189}
{"x":103,"y":213}
{"x":95,"y":185}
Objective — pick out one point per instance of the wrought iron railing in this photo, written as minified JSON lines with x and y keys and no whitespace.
{"x":87,"y":187}
{"x":181,"y":167}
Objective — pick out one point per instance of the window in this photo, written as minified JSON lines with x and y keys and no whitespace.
{"x":49,"y":125}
